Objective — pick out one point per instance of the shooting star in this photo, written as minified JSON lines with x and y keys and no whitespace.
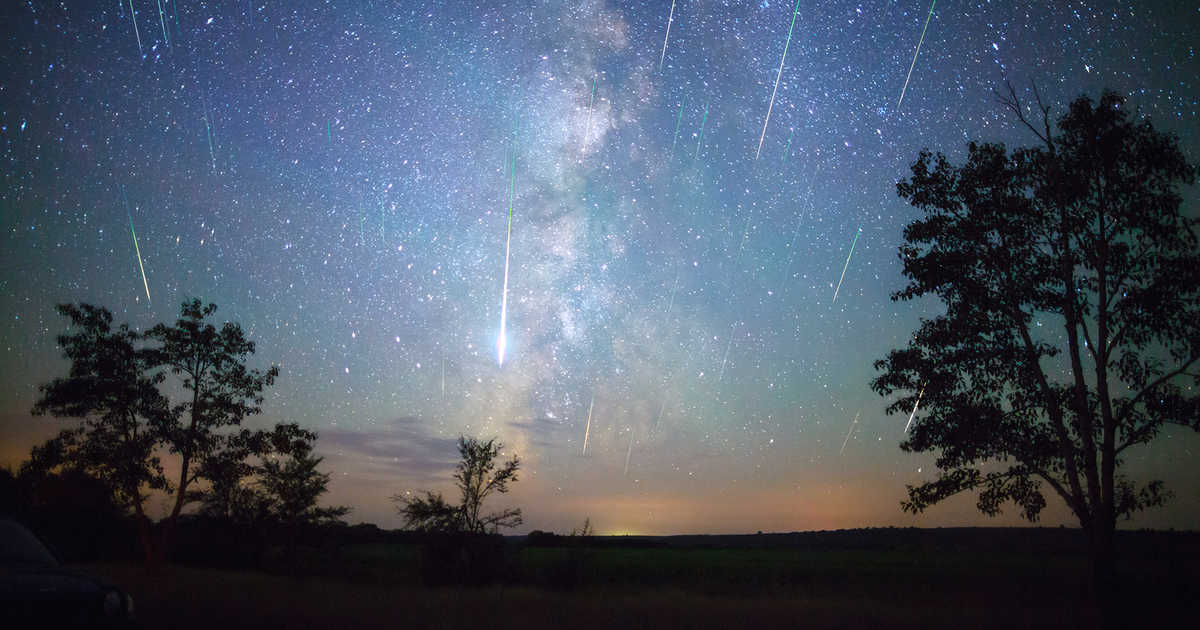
{"x":678,"y":119}
{"x":443,"y":377}
{"x":668,"y":35}
{"x":136,"y":249}
{"x":588,"y":429}
{"x":674,"y":288}
{"x":844,"y":267}
{"x":587,"y":131}
{"x":208,"y":131}
{"x":133,"y":16}
{"x":788,"y":149}
{"x":628,"y":453}
{"x":502,"y":341}
{"x":703,"y":122}
{"x":914,"y":61}
{"x":162,"y":22}
{"x":777,"y":75}
{"x":915,"y":407}
{"x":725,"y":359}
{"x":851,"y":431}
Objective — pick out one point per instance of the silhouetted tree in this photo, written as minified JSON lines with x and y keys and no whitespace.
{"x":477,"y":478}
{"x":292,"y":486}
{"x":1072,"y":328}
{"x":113,"y":385}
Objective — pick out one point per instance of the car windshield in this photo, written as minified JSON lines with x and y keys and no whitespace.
{"x":18,"y":546}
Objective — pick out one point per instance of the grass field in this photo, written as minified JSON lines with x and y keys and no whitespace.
{"x":379,"y":585}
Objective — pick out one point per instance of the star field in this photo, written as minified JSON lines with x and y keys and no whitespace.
{"x":337,"y":178}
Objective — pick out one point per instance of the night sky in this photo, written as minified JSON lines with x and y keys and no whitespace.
{"x":340,"y":177}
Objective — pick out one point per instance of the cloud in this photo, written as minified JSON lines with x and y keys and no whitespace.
{"x":401,"y":450}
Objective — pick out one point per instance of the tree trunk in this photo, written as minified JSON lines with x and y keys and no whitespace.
{"x":1102,"y":561}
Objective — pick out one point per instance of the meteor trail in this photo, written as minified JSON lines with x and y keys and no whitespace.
{"x":664,"y":51}
{"x":588,"y":428}
{"x":848,"y":433}
{"x":678,"y":119}
{"x":777,"y":75}
{"x":133,"y":16}
{"x":587,"y":131}
{"x":914,"y":61}
{"x":502,"y":342}
{"x":703,"y":122}
{"x":208,"y":132}
{"x":136,"y":249}
{"x":162,"y":22}
{"x":673,"y":290}
{"x":628,"y":453}
{"x":914,"y":411}
{"x":844,"y":267}
{"x":725,"y":359}
{"x":788,"y":148}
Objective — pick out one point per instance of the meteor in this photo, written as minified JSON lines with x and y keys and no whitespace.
{"x":703,"y":122}
{"x":587,"y":131}
{"x":162,"y":22}
{"x":848,"y":433}
{"x":588,"y":428}
{"x":133,"y":16}
{"x":673,"y":290}
{"x":678,"y":119}
{"x":844,"y":267}
{"x":136,"y":249}
{"x":914,"y":61}
{"x":914,"y":411}
{"x":208,"y":132}
{"x":669,"y":20}
{"x":725,"y":360}
{"x":628,"y":453}
{"x":777,"y":75}
{"x":502,"y":342}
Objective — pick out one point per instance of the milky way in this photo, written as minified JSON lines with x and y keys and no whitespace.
{"x":338,"y":178}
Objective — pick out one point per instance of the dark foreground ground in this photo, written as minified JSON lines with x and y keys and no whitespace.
{"x":922,"y":579}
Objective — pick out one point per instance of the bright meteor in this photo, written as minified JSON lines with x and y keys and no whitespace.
{"x":588,"y":429}
{"x":136,"y":249}
{"x":915,"y":407}
{"x":777,"y":75}
{"x":844,"y":267}
{"x":502,"y":341}
{"x":914,"y":61}
{"x":670,"y":18}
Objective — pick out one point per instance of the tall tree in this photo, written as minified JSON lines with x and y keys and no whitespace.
{"x":1071,"y":282}
{"x":112,"y":386}
{"x":220,"y":391}
{"x":477,"y":477}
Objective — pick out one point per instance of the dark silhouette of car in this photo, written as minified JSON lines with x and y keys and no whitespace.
{"x":36,"y":591}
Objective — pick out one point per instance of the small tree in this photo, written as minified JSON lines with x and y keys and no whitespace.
{"x":1072,"y":326}
{"x":477,"y":478}
{"x":293,"y":486}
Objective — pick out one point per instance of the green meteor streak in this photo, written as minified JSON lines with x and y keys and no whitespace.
{"x":329,"y":131}
{"x":703,"y":122}
{"x":788,"y":148}
{"x":839,"y":286}
{"x":136,"y":249}
{"x":777,"y":75}
{"x":914,"y":61}
{"x":678,"y":119}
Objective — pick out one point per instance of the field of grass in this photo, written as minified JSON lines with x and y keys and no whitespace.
{"x":380,"y":585}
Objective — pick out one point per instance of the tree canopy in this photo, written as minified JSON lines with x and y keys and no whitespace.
{"x":477,"y":477}
{"x":1071,"y":282}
